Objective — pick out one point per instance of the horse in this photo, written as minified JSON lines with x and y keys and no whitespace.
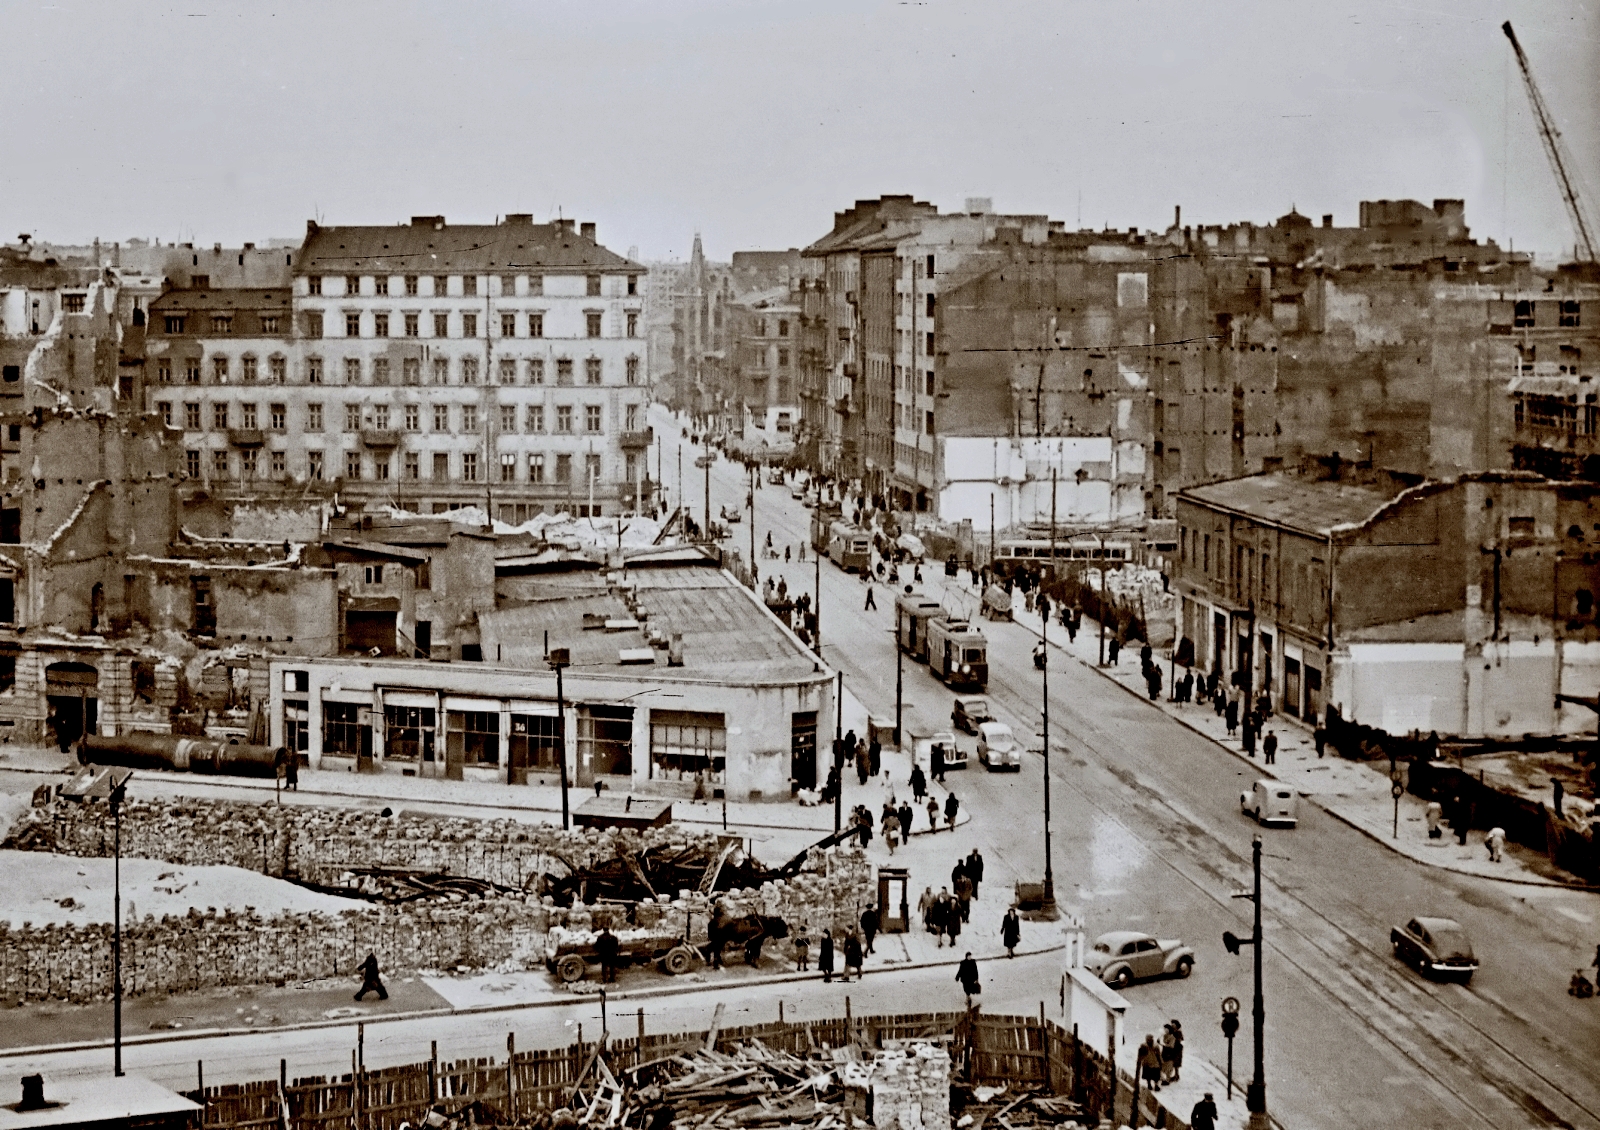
{"x":749,"y":931}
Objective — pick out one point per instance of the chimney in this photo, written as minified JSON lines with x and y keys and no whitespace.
{"x":32,"y":1094}
{"x":1177,"y":215}
{"x":1327,"y":219}
{"x":587,"y":231}
{"x":979,"y":205}
{"x":216,"y":249}
{"x":311,"y":228}
{"x":675,"y":650}
{"x":434,"y":222}
{"x":519,"y":217}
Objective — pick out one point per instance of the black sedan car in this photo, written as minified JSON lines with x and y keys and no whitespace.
{"x":1437,"y":946}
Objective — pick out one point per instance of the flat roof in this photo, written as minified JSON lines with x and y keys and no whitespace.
{"x":1309,"y":505}
{"x":84,"y":1100}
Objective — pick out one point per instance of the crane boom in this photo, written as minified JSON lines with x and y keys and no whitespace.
{"x":1551,"y":136}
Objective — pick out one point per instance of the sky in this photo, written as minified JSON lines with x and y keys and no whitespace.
{"x":752,"y":123}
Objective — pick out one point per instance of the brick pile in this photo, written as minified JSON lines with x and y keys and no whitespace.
{"x":911,"y":1088}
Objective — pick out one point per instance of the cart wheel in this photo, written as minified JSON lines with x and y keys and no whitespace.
{"x":677,"y":961}
{"x":571,"y":968}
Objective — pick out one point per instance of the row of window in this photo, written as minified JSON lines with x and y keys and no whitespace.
{"x":439,"y":286}
{"x":1524,"y":314}
{"x":380,"y":371}
{"x":382,"y":323}
{"x":381,"y":417}
{"x":530,"y":468}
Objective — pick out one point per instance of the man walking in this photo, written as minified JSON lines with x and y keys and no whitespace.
{"x":933,"y":814}
{"x":975,"y":871}
{"x":370,"y":981}
{"x":905,"y":823}
{"x":1495,"y":841}
{"x":1248,"y":737}
{"x":951,"y":807}
{"x":1010,"y":931}
{"x":952,"y":917}
{"x":869,"y":925}
{"x":802,"y":951}
{"x":871,"y":604}
{"x":919,"y":783}
{"x":1204,"y":1114}
{"x":938,"y":917}
{"x":852,"y":955}
{"x":963,"y":886}
{"x":825,"y":956}
{"x":605,"y":948}
{"x":967,"y":974}
{"x":1269,"y":748}
{"x":925,"y":908}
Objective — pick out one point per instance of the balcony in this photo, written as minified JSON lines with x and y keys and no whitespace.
{"x":637,"y":440}
{"x":381,"y":438}
{"x":842,"y":406}
{"x":246,"y":437}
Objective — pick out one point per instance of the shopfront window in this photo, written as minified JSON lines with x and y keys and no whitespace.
{"x":605,"y":739}
{"x":534,"y":742}
{"x":475,"y":737}
{"x":408,"y":733}
{"x":341,"y":729}
{"x":684,"y":743}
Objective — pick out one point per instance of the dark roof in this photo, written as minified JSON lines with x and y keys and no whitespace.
{"x":1308,"y":505}
{"x":421,"y":248}
{"x":201,"y":301}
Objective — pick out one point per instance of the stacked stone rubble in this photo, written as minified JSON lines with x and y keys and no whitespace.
{"x":911,"y":1088}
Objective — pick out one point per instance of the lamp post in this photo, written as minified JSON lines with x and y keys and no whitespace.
{"x":1255,"y":1095}
{"x":94,"y":782}
{"x":838,"y":751}
{"x":816,"y":554}
{"x":560,"y":659}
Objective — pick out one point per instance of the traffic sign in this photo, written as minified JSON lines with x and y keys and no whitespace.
{"x":1230,"y":1004}
{"x":1397,"y":790}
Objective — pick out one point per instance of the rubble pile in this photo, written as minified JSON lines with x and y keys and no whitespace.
{"x":911,"y":1088}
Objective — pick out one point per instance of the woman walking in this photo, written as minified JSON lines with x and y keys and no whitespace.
{"x":967,"y":974}
{"x":825,"y":956}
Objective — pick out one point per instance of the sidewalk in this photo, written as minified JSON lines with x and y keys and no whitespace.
{"x":1355,"y":792}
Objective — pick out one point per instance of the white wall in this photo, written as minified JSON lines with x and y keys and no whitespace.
{"x":1016,"y":473}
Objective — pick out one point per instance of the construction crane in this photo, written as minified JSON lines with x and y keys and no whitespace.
{"x":1553,"y":147}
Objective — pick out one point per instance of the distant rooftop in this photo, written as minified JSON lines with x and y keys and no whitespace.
{"x":428,"y":244}
{"x":1309,"y":505}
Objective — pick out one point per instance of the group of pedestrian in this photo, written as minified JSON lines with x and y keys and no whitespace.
{"x":1151,"y":672}
{"x":941,"y":915}
{"x":1161,"y":1062}
{"x":852,"y":954}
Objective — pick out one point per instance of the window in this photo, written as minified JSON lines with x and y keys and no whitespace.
{"x":352,"y":323}
{"x":469,"y":418}
{"x":508,"y":417}
{"x":380,"y":466}
{"x":591,"y":418}
{"x":508,"y":325}
{"x":352,"y":370}
{"x":441,"y":285}
{"x":563,"y":468}
{"x":411,"y":371}
{"x":929,"y":423}
{"x":313,"y":417}
{"x":280,"y":464}
{"x":380,"y":417}
{"x":536,"y":371}
{"x":508,"y":468}
{"x":633,"y":284}
{"x":219,"y":416}
{"x":219,"y":370}
{"x":591,"y":370}
{"x":222,"y":323}
{"x":927,"y":347}
{"x":536,"y":468}
{"x":413,"y":466}
{"x":408,"y":733}
{"x":508,"y":370}
{"x":219,"y":464}
{"x":535,"y":285}
{"x":269,"y":323}
{"x":411,"y":286}
{"x":469,"y":286}
{"x":441,"y":325}
{"x":564,"y":419}
{"x":165,"y":408}
{"x":352,"y":417}
{"x":469,"y":370}
{"x":536,"y":418}
{"x":633,"y":324}
{"x":1568,"y":316}
{"x":278,"y":416}
{"x":469,"y":467}
{"x":247,"y":416}
{"x":191,"y":464}
{"x":441,"y":370}
{"x":191,"y":416}
{"x":761,"y":327}
{"x":632,"y":412}
{"x":413,"y":418}
{"x":314,"y":327}
{"x":441,"y":466}
{"x":380,"y":285}
{"x":564,"y":371}
{"x":380,"y":371}
{"x":313,"y":284}
{"x":352,"y":284}
{"x":686,"y":742}
{"x":191,"y":371}
{"x":277,"y":370}
{"x":314,"y":466}
{"x":535,"y":325}
{"x":591,"y":471}
{"x":930,"y":266}
{"x":632,"y":370}
{"x":592,"y":286}
{"x":313,"y":370}
{"x":341,"y":729}
{"x":1522,"y":315}
{"x":380,"y":325}
{"x":173,"y":323}
{"x":163,"y":372}
{"x":441,"y":417}
{"x":783,"y":358}
{"x":352,"y":464}
{"x":249,"y":462}
{"x":592,"y":324}
{"x":473,"y":737}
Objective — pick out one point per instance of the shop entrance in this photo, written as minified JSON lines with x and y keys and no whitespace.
{"x":72,"y":700}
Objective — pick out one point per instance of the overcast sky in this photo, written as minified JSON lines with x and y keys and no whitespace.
{"x":753,"y":123}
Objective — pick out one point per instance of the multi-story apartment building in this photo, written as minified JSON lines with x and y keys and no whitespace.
{"x":428,"y":365}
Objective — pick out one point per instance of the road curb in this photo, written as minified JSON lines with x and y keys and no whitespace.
{"x":1534,"y":881}
{"x":173,"y":1037}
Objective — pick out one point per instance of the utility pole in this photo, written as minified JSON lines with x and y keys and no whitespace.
{"x":561,"y":658}
{"x":838,"y":751}
{"x":816,"y":555}
{"x":1255,"y":1095}
{"x":1103,"y":599}
{"x":1044,"y":674}
{"x":753,"y":474}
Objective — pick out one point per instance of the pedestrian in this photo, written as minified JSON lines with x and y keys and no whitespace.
{"x":291,"y":771}
{"x":1269,"y":748}
{"x":967,"y":974}
{"x":1204,"y":1114}
{"x":905,"y":823}
{"x":786,"y":550}
{"x":861,"y":766}
{"x":933,"y":814}
{"x":802,"y":951}
{"x":874,"y":757}
{"x":975,"y":870}
{"x":1169,"y":1051}
{"x":925,"y":908}
{"x":1069,"y":620}
{"x":1114,"y":650}
{"x":891,"y":829}
{"x":370,"y":981}
{"x":1248,"y":737}
{"x":1177,"y":1049}
{"x":802,"y":554}
{"x":936,"y":761}
{"x":919,"y":783}
{"x":869,"y":925}
{"x":1150,"y":1063}
{"x":951,"y":806}
{"x":952,"y":916}
{"x":849,"y":743}
{"x":916,"y":573}
{"x":938,"y":917}
{"x":1320,"y":737}
{"x":852,"y":955}
{"x":605,"y":948}
{"x":1010,"y":931}
{"x":1495,"y":841}
{"x":1231,"y":714}
{"x":825,"y":956}
{"x":1152,"y":680}
{"x":1433,"y":814}
{"x":871,"y":603}
{"x":963,"y":888}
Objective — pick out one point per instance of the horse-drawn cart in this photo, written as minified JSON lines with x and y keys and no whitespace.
{"x":573,"y":955}
{"x":996,"y":603}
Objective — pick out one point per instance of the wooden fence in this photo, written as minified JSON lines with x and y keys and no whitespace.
{"x":1022,"y":1052}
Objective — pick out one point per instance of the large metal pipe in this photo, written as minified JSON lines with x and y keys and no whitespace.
{"x":170,"y":751}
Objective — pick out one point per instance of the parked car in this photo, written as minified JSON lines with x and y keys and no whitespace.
{"x":1435,"y":945}
{"x":912,"y":545}
{"x":1124,"y":956}
{"x":970,"y":711}
{"x":954,"y":756}
{"x":775,"y":476}
{"x":731,"y":514}
{"x":1270,"y":802}
{"x":997,"y":748}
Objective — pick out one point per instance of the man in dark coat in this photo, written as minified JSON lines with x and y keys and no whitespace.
{"x":1204,"y":1114}
{"x":825,"y":956}
{"x":1010,"y":931}
{"x":1269,"y":748}
{"x":937,"y":917}
{"x":967,"y":974}
{"x":951,"y":807}
{"x":370,"y":981}
{"x":905,"y":823}
{"x":919,"y":783}
{"x":975,"y":871}
{"x":605,"y":948}
{"x":874,"y":757}
{"x":952,"y":919}
{"x":936,"y":761}
{"x":852,"y":955}
{"x":964,"y":895}
{"x":869,"y":925}
{"x":1248,"y":737}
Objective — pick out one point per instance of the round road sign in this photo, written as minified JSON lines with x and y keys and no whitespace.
{"x":1397,"y":789}
{"x":1230,"y":1004}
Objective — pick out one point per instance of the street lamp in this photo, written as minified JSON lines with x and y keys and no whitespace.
{"x":1255,"y":1095}
{"x":96,"y":782}
{"x":560,"y":659}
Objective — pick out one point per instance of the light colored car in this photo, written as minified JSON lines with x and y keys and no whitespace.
{"x":1435,"y":945}
{"x":731,"y":513}
{"x":1124,"y":956}
{"x":1270,"y":802}
{"x":998,"y":749}
{"x":954,"y":756}
{"x":970,"y":712}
